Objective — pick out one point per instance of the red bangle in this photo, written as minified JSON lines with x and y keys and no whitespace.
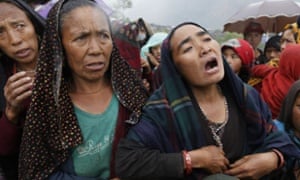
{"x":280,"y":158}
{"x":188,"y":162}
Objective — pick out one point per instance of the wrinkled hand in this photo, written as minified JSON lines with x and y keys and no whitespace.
{"x":210,"y":158}
{"x":16,"y":90}
{"x":253,"y":166}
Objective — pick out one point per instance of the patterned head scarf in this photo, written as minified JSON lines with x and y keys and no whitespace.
{"x":295,"y":27}
{"x":51,"y":127}
{"x":6,"y":63}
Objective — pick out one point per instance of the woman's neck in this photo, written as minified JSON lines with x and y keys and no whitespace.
{"x":89,"y":87}
{"x":26,"y":67}
{"x":207,"y":94}
{"x":93,"y":97}
{"x":212,"y":103}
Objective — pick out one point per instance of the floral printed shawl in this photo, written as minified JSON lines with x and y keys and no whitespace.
{"x":51,"y":129}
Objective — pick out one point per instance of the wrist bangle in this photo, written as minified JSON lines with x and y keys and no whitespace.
{"x":280,"y":158}
{"x":187,"y":162}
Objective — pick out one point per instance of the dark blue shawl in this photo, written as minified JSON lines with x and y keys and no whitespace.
{"x":170,"y":121}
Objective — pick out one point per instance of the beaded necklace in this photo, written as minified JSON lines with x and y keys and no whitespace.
{"x":217,"y":129}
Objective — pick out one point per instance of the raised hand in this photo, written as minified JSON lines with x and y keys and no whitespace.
{"x":17,"y":88}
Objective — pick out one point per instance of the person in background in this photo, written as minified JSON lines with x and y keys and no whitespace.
{"x":272,"y":50}
{"x":288,"y":70}
{"x":290,"y":34}
{"x":144,"y":32}
{"x":189,"y":125}
{"x":21,"y":29}
{"x":271,"y":58}
{"x":276,"y":81}
{"x":130,"y":38}
{"x":240,"y":56}
{"x":289,"y":120}
{"x":253,"y":34}
{"x":151,"y":50}
{"x":150,"y":59}
{"x":84,"y":99}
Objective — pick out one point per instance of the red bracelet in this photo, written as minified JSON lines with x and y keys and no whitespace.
{"x":280,"y":158}
{"x":188,"y":162}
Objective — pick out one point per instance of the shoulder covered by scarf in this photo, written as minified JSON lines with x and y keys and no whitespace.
{"x":170,"y":122}
{"x":51,"y":127}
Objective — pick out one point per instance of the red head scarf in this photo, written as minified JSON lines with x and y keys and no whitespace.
{"x":277,"y":83}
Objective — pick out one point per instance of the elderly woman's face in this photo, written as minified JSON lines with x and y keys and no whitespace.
{"x":197,"y":56}
{"x":18,"y":38}
{"x":87,"y":41}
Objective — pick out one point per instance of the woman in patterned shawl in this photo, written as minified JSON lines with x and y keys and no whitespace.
{"x":83,"y":96}
{"x":203,"y":120}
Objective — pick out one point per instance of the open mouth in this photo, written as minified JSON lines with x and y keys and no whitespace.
{"x":23,"y":53}
{"x":95,"y":66}
{"x":211,"y":64}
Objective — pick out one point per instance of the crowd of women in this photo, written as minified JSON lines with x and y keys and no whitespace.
{"x":82,"y":100}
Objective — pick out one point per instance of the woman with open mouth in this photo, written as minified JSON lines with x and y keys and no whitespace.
{"x":203,"y":121}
